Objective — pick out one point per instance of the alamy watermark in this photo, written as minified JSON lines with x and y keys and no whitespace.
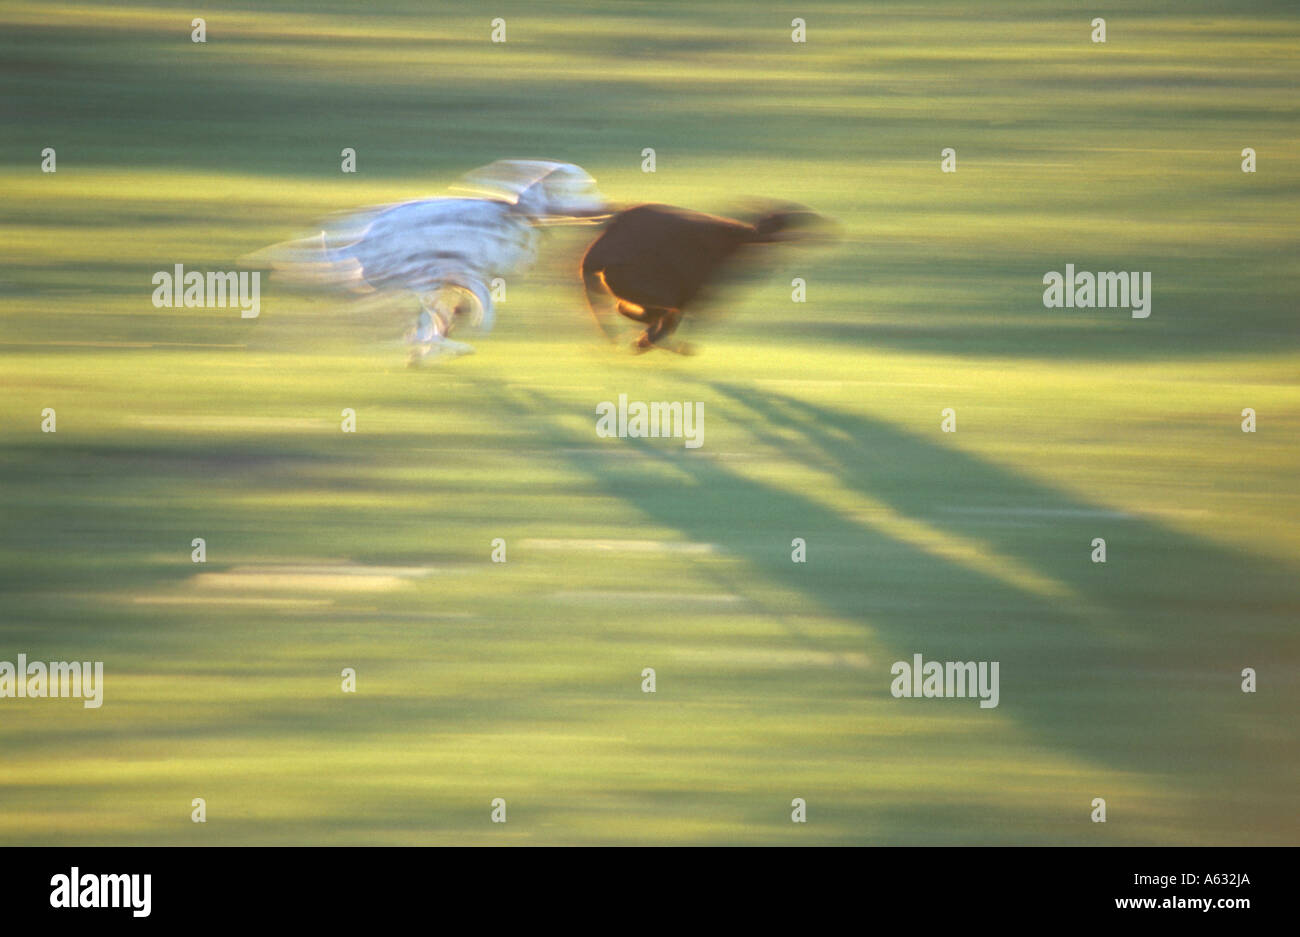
{"x":660,"y":419}
{"x":223,"y":289}
{"x":1111,"y":290}
{"x":78,"y":890}
{"x":58,"y":679}
{"x":946,"y":679}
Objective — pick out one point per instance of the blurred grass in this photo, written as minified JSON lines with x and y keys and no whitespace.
{"x":822,"y":421}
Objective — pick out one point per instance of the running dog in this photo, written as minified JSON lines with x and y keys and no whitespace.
{"x":653,"y":260}
{"x":446,"y":251}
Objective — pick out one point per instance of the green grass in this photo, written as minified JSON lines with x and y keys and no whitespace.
{"x":522,"y":680}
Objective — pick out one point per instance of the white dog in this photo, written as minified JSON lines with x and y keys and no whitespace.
{"x":445,"y":250}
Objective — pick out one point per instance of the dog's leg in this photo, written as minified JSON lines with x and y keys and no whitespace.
{"x":420,"y":337}
{"x":598,"y":297}
{"x":446,"y":346}
{"x":663,"y":322}
{"x":431,"y":330}
{"x":634,"y":312}
{"x":653,"y":318}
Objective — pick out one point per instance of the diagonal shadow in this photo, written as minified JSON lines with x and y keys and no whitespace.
{"x":1136,"y":671}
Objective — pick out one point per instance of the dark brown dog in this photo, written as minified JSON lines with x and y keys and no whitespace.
{"x":655,"y":259}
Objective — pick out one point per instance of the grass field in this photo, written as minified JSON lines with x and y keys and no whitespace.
{"x":522,"y":680}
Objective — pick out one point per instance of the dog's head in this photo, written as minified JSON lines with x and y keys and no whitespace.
{"x":541,"y":189}
{"x":792,"y":222}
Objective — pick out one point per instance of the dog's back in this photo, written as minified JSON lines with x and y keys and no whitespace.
{"x":419,"y":244}
{"x":662,"y":256}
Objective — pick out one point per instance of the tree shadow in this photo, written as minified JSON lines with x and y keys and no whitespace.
{"x":1133,"y":665}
